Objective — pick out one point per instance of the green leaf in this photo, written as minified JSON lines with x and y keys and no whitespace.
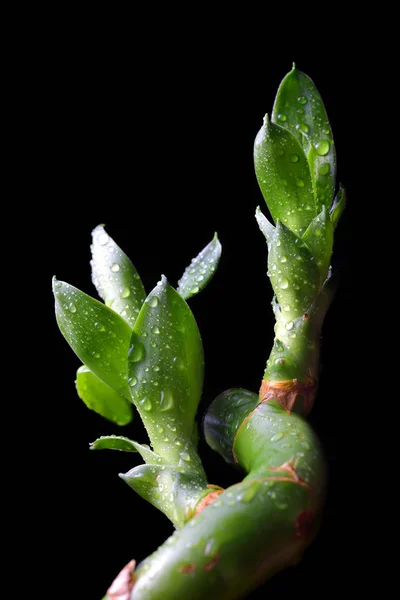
{"x":172,"y":491}
{"x":319,"y":240}
{"x":299,"y":108}
{"x":338,"y":206}
{"x":166,"y":370}
{"x":115,"y":278}
{"x":98,"y":336}
{"x":201,"y":270}
{"x":101,"y":398}
{"x":265,"y":226}
{"x":293,"y":272}
{"x":284,"y":177}
{"x":113,"y":442}
{"x":116,"y":442}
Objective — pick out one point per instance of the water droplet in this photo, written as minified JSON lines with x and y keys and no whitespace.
{"x":103,"y":239}
{"x":281,"y":505}
{"x":323,"y":147}
{"x":299,"y":182}
{"x":209,"y":546}
{"x":136,"y":352}
{"x":292,"y":335}
{"x":324,"y":169}
{"x":72,"y":307}
{"x":278,"y":436}
{"x":248,"y":495}
{"x":153,"y":302}
{"x":303,"y":127}
{"x":289,"y":325}
{"x":166,"y":401}
{"x":156,"y":330}
{"x":282,"y":118}
{"x":160,"y":428}
{"x":115,"y":268}
{"x":302,"y":100}
{"x":283,"y":283}
{"x":286,"y":307}
{"x":283,"y":259}
{"x":185,"y":456}
{"x":126,"y":292}
{"x":146,"y":404}
{"x":294,"y":158}
{"x":99,"y":326}
{"x":156,"y":368}
{"x":166,"y":439}
{"x":177,"y":443}
{"x":95,"y":355}
{"x":58,"y":285}
{"x":133,"y":381}
{"x":195,"y":289}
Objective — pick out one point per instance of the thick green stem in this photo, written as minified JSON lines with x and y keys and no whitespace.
{"x":254,"y":528}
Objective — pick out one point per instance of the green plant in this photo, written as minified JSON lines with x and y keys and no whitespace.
{"x":146,"y":351}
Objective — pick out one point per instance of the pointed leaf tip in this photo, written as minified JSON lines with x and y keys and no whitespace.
{"x":115,"y":277}
{"x":265,"y":226}
{"x":201,"y":269}
{"x":97,"y":334}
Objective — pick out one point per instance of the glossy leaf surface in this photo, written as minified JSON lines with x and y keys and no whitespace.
{"x":294,"y":273}
{"x":98,"y":335}
{"x":115,"y":278}
{"x":299,"y":108}
{"x":319,"y":240}
{"x":284,"y":177}
{"x":166,"y":370}
{"x":201,"y":270}
{"x":101,"y":398}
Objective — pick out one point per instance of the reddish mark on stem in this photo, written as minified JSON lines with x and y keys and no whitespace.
{"x":122,"y":585}
{"x":210,"y":565}
{"x":287,"y":392}
{"x":305,"y":317}
{"x":289,"y":467}
{"x":304,"y":524}
{"x":209,"y":499}
{"x":187,"y":569}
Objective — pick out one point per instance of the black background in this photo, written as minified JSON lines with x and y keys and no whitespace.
{"x":155,"y":141}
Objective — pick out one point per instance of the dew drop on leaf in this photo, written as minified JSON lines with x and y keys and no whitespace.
{"x":146,"y":404}
{"x":136,"y":352}
{"x":323,"y":147}
{"x":153,"y":302}
{"x":324,"y":169}
{"x":103,"y":239}
{"x":283,"y":283}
